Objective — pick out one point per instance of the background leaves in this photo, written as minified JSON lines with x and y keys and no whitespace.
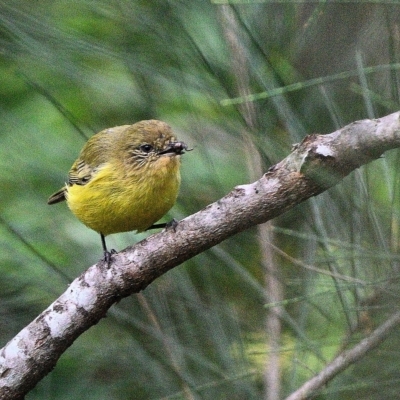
{"x":69,"y":69}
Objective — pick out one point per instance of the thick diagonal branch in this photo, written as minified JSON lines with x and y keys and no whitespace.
{"x":316,"y":164}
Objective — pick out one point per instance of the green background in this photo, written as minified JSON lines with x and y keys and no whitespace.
{"x":71,"y":68}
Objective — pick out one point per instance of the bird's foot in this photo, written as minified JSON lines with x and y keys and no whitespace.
{"x":171,"y":224}
{"x":107,"y":258}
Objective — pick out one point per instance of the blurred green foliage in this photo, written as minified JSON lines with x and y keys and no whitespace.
{"x":71,"y":68}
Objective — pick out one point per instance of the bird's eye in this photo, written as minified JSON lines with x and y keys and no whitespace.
{"x":146,"y":148}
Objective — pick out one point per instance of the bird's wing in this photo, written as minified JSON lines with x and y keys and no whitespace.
{"x":94,"y":154}
{"x":80,"y":173}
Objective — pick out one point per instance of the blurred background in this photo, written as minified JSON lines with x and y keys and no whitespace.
{"x":259,"y":314}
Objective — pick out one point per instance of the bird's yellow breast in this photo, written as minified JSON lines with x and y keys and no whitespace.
{"x":111,"y":202}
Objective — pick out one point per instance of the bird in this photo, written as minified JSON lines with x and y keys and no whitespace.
{"x":124,"y":179}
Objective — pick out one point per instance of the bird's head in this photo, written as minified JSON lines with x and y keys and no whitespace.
{"x":149,"y":142}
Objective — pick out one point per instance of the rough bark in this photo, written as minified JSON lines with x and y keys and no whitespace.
{"x":317,"y":163}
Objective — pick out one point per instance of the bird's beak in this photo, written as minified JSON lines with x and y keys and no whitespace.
{"x":177,"y":148}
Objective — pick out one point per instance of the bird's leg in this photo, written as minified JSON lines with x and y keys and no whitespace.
{"x":171,"y":224}
{"x":107,"y":254}
{"x":157,"y":226}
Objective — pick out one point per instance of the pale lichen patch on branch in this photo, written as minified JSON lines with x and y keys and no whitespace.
{"x":324,"y":150}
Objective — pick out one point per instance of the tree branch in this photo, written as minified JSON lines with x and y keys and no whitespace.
{"x":317,"y":163}
{"x":346,"y":358}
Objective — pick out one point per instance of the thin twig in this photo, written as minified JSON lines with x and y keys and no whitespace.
{"x":345,"y":359}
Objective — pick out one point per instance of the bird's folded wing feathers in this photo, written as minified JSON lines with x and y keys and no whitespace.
{"x":81,"y":173}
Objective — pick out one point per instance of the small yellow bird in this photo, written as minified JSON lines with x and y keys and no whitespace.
{"x":125,"y":178}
